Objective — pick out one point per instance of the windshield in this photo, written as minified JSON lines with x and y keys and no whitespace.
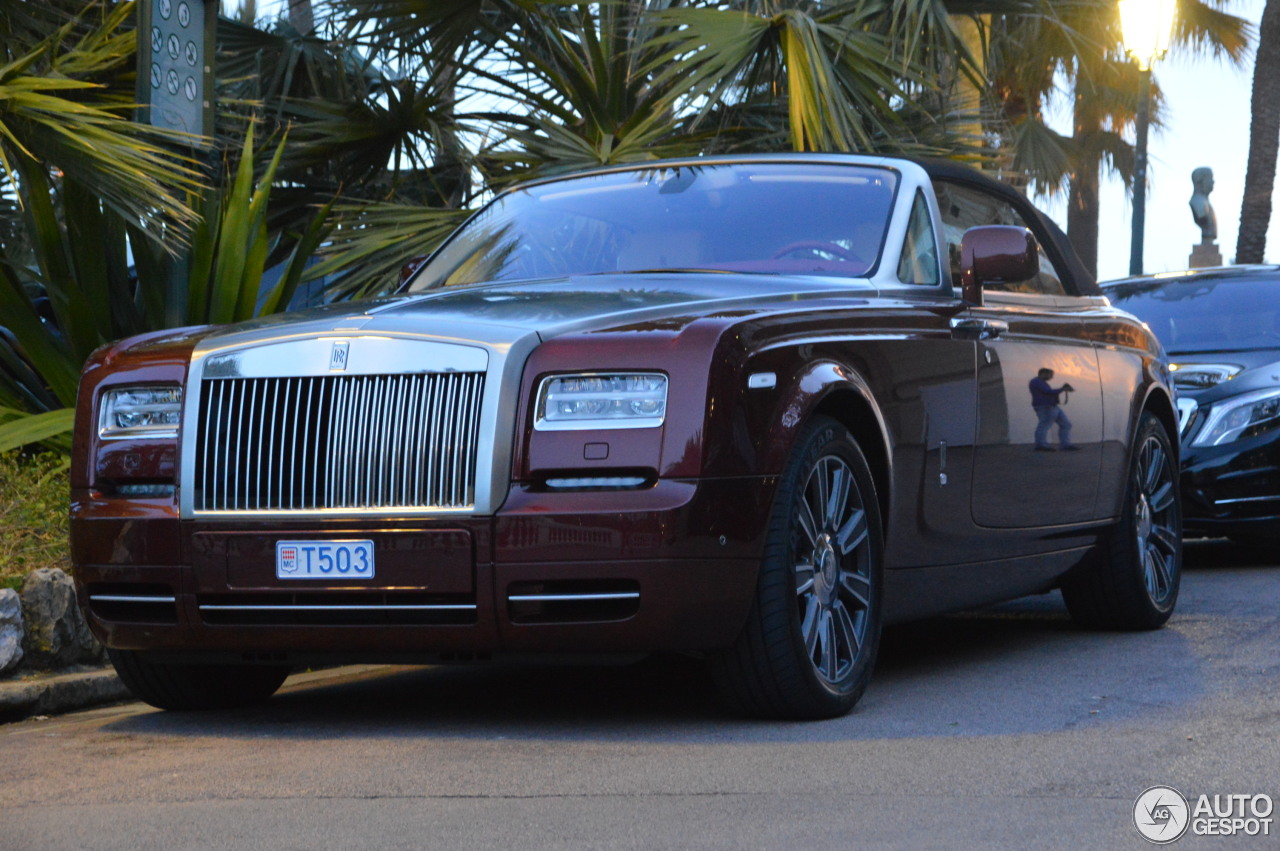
{"x":1198,"y":315}
{"x":767,"y":218}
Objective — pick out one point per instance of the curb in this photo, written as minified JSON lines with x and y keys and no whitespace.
{"x":70,"y":691}
{"x":51,"y":694}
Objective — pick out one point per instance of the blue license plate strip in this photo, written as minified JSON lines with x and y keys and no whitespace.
{"x":324,"y":560}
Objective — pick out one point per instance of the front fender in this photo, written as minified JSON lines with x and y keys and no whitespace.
{"x":824,"y":387}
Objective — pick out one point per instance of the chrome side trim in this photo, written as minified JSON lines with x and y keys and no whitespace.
{"x":1274,"y":498}
{"x":127,"y":598}
{"x":570,"y":598}
{"x":399,"y":607}
{"x":1186,"y":410}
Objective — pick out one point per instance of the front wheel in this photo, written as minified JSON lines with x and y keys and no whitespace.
{"x":1133,"y":583}
{"x":811,"y":638}
{"x":188,"y":686}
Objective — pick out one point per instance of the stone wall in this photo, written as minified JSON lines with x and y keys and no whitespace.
{"x":42,"y":628}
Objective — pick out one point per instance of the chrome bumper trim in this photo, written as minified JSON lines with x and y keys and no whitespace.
{"x":572,"y":598}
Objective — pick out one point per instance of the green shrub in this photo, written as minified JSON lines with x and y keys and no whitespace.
{"x":33,"y":514}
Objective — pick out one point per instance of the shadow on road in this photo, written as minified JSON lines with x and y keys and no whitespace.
{"x":1016,"y":668}
{"x":1208,"y":553}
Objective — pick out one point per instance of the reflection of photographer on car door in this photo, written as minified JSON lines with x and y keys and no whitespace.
{"x":1044,"y":399}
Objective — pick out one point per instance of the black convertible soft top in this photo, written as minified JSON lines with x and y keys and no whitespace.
{"x":1054,"y":240}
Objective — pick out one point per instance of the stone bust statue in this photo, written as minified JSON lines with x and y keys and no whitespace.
{"x":1201,"y":209}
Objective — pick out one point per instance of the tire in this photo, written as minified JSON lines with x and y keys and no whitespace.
{"x":182,"y":687}
{"x":811,"y":638}
{"x":1133,"y":582}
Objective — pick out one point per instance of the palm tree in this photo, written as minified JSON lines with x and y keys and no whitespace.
{"x":75,"y":170}
{"x":1082,"y":43}
{"x":67,"y":142}
{"x":1264,"y":137}
{"x":591,"y":84}
{"x":66,"y":94}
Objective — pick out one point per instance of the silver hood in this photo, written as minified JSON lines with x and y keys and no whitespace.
{"x":488,"y":330}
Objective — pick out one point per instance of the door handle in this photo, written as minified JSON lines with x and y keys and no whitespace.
{"x":970,"y":327}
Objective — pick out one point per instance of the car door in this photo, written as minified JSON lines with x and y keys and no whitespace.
{"x":1023,"y":328}
{"x":934,"y":398}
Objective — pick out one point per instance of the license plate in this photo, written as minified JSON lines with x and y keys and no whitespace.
{"x":324,"y":559}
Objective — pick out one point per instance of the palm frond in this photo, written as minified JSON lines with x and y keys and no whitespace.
{"x":81,"y":128}
{"x":372,"y":242}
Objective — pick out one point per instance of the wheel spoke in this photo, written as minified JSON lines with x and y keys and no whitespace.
{"x":1165,"y":539}
{"x":804,"y":516}
{"x":1164,"y":579}
{"x":839,"y":497}
{"x":1153,"y":466}
{"x":805,"y":574}
{"x":824,"y":493}
{"x":809,"y":626}
{"x":1148,"y":572}
{"x":853,"y":532}
{"x":856,"y":586}
{"x":829,"y":655}
{"x":848,"y":631}
{"x":1162,"y":498}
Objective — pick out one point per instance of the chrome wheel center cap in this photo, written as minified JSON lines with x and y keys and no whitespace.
{"x":826,"y":566}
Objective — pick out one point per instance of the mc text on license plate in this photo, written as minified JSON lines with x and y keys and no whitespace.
{"x":324,"y":559}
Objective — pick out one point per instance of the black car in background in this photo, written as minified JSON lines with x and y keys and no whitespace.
{"x":1221,"y":329}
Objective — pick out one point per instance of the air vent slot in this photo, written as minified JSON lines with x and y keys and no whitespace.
{"x":133,"y":603}
{"x":573,"y":601}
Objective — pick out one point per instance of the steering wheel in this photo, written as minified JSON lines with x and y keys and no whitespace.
{"x":817,"y":246}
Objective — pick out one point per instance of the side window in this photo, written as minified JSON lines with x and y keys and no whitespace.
{"x":919,"y":261}
{"x":963,"y":207}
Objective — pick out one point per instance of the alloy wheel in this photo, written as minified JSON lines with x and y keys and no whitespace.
{"x":1155,"y":515}
{"x":832,"y":563}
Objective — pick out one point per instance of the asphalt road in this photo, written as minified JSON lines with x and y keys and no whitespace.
{"x":1004,"y":728}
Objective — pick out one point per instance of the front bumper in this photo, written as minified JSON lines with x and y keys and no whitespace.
{"x":1233,"y":489}
{"x":669,"y":567}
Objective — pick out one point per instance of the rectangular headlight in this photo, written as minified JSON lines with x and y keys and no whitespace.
{"x":140,"y":412}
{"x":601,"y":400}
{"x":1239,"y":417}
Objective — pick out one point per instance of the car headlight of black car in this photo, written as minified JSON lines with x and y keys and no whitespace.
{"x":1239,"y":417}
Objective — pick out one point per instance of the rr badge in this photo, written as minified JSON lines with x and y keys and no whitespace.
{"x":338,"y":357}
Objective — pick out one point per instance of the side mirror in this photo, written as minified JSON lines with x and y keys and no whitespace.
{"x":995,"y":254}
{"x":408,"y":269}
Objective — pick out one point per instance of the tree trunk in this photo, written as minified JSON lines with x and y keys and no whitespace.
{"x":1264,"y":139}
{"x":1082,"y":200}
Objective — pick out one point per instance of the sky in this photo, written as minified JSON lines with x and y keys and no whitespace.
{"x":1206,"y":123}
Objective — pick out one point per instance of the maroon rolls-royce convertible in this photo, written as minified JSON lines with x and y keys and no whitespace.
{"x":752,"y":408}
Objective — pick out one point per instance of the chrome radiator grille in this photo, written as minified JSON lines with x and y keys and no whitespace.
{"x":338,"y":441}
